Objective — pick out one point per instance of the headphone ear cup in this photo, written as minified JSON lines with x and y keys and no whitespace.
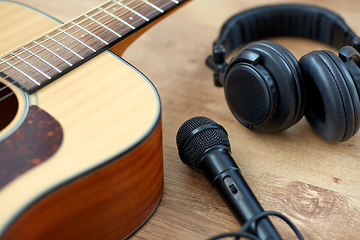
{"x":261,"y":73}
{"x":332,"y":100}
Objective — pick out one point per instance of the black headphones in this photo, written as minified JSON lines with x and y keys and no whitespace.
{"x":265,"y":86}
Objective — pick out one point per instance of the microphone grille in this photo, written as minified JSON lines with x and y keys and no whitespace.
{"x":191,"y":149}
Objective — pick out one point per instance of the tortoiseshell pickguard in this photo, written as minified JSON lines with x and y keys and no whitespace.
{"x":37,"y":139}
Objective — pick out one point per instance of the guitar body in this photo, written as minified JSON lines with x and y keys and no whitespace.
{"x":98,"y":172}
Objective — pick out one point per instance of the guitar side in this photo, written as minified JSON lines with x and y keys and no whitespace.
{"x":106,"y":178}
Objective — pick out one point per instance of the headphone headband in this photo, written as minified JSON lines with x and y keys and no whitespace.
{"x":286,"y":20}
{"x":279,"y":20}
{"x":268,"y":89}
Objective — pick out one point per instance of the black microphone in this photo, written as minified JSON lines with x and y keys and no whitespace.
{"x":204,"y":146}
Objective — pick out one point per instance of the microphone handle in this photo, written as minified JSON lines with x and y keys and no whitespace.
{"x":220,"y":168}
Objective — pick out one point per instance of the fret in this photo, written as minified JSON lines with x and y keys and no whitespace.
{"x":117,"y":18}
{"x":146,"y":10}
{"x":20,"y":71}
{"x":106,"y":21}
{"x":76,"y":39}
{"x":131,"y":10}
{"x":31,"y":65}
{"x":36,"y":63}
{"x":48,"y":63}
{"x":94,"y":35}
{"x":33,"y":61}
{"x":64,"y":46}
{"x":103,"y":25}
{"x":16,"y":67}
{"x":63,"y":43}
{"x":163,"y":4}
{"x":152,"y":5}
{"x":55,"y":54}
{"x":126,"y":17}
{"x":86,"y":44}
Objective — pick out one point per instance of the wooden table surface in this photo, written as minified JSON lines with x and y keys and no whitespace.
{"x":314,"y":183}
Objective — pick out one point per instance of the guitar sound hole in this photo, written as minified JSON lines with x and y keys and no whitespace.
{"x":8,"y":106}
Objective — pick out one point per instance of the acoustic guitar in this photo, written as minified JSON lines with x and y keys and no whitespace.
{"x":80,"y":128}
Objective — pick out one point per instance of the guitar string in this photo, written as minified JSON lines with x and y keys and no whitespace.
{"x":148,"y":5}
{"x":84,"y":43}
{"x":26,"y":76}
{"x":116,"y":3}
{"x":100,"y":26}
{"x":24,"y":86}
{"x":75,"y":40}
{"x":87,"y":18}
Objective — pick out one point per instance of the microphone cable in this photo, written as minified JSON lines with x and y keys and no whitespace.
{"x":257,"y":217}
{"x":204,"y":146}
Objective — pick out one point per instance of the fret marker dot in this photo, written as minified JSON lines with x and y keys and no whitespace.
{"x":131,"y":18}
{"x":58,"y":49}
{"x":114,"y":8}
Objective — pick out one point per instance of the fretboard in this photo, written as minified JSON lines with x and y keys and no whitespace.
{"x":45,"y":59}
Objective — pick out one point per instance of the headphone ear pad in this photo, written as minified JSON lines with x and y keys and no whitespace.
{"x":332,"y":100}
{"x":275,"y":107}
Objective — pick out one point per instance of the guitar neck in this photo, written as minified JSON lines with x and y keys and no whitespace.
{"x":48,"y":57}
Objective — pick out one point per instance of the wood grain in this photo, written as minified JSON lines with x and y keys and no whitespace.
{"x":125,"y":192}
{"x":104,"y":120}
{"x":56,"y":53}
{"x":314,"y":183}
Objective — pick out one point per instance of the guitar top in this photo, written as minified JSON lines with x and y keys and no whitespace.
{"x":80,"y":128}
